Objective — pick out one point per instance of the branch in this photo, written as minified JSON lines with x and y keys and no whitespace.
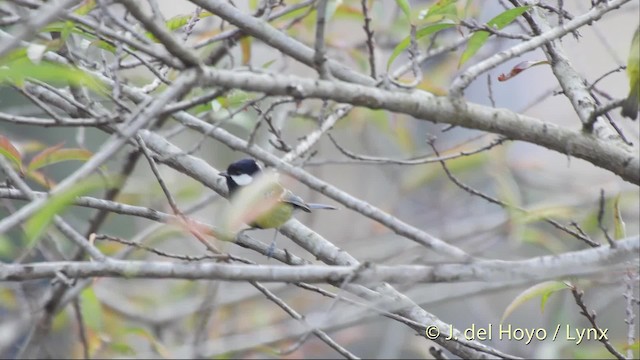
{"x":172,"y":44}
{"x":465,"y":79}
{"x":574,"y":87}
{"x":45,"y":14}
{"x":320,"y":55}
{"x":386,"y":296}
{"x":156,"y":53}
{"x":148,"y":112}
{"x":616,"y":158}
{"x":294,"y":314}
{"x":313,"y":137}
{"x":260,"y":29}
{"x":201,"y":171}
{"x":62,"y":225}
{"x":591,"y":316}
{"x":38,"y":121}
{"x":370,"y":39}
{"x":576,"y":263}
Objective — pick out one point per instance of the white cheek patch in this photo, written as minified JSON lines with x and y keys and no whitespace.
{"x":242,"y":180}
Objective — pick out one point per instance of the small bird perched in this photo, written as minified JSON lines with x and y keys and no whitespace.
{"x":259,"y":200}
{"x":630,"y":105}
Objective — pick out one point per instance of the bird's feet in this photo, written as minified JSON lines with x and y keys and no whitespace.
{"x":271,"y":250}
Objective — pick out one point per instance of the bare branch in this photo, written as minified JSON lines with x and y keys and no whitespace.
{"x":370,"y":40}
{"x":578,"y":235}
{"x":45,"y":14}
{"x":160,"y":32}
{"x":577,"y":263}
{"x":320,"y":55}
{"x":463,"y":80}
{"x":263,"y":31}
{"x":619,"y":159}
{"x":147,"y":114}
{"x":591,"y":316}
{"x":65,"y":228}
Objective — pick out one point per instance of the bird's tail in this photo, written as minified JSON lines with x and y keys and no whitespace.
{"x":314,"y":206}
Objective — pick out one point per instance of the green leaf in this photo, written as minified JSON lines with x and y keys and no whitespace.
{"x":121,"y":348}
{"x":268,"y":64}
{"x":91,"y":309}
{"x":19,"y":70}
{"x":619,"y":231}
{"x":56,"y":154}
{"x":479,"y":38}
{"x":177,"y":22}
{"x":444,"y":8}
{"x":534,"y":215}
{"x":425,"y":31}
{"x":10,"y":152}
{"x":86,"y":7}
{"x":544,"y":290}
{"x":234,"y":98}
{"x":7,"y":251}
{"x":67,"y":29}
{"x":406,"y":8}
{"x":70,"y":26}
{"x":56,"y":204}
{"x":635,"y":346}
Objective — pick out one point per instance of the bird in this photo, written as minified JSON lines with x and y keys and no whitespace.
{"x":630,"y":104}
{"x":258,"y":199}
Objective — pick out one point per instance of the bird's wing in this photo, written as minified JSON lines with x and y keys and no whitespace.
{"x":293,"y":199}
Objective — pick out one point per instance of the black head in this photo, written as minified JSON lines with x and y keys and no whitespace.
{"x":241,"y":173}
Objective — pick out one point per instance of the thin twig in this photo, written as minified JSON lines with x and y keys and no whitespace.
{"x":604,"y":110}
{"x":416,"y":161}
{"x":370,"y":40}
{"x":631,"y":280}
{"x":265,"y":115}
{"x":477,"y":27}
{"x":174,"y":207}
{"x":601,"y":211}
{"x":312,"y":138}
{"x":81,"y":329}
{"x":603,"y":76}
{"x":160,"y":252}
{"x":493,"y":200}
{"x":294,"y":314}
{"x":591,"y":316}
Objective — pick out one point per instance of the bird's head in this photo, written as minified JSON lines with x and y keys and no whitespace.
{"x":241,"y":173}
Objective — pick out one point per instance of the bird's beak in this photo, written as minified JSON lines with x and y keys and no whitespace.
{"x":223,"y":174}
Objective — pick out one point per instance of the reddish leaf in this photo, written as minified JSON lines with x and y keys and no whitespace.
{"x":520,"y":68}
{"x":42,"y":156}
{"x":56,"y":154}
{"x":41,"y":179}
{"x":10,"y":152}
